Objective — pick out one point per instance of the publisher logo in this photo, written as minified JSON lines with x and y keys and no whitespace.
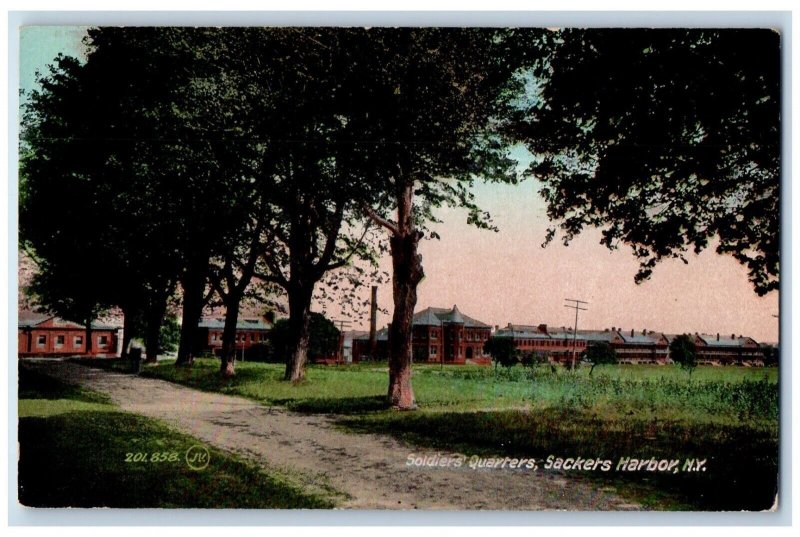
{"x":197,"y":457}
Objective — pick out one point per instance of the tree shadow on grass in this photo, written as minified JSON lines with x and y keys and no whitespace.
{"x":741,"y":468}
{"x":336,"y":405}
{"x":34,"y":385}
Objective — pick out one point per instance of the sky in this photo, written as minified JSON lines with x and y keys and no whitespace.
{"x":507,"y":277}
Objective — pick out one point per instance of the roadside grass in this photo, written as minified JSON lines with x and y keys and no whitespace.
{"x":727,"y":415}
{"x":78,"y":450}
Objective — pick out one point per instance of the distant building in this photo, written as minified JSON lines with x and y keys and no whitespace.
{"x":644,"y":348}
{"x":439,"y":335}
{"x":733,"y":350}
{"x":52,"y":336}
{"x":348,"y":337}
{"x":249,"y":332}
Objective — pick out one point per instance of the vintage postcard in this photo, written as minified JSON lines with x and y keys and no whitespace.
{"x":408,"y":268}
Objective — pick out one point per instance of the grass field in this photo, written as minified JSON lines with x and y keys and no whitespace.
{"x":727,"y":415}
{"x":79,"y":450}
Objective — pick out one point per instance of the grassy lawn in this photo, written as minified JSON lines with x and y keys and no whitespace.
{"x":727,"y":415}
{"x":79,"y":450}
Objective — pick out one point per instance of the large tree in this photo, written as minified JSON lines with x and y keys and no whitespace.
{"x":423,"y":110}
{"x":315,"y":224}
{"x":668,"y":140}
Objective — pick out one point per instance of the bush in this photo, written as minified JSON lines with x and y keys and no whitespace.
{"x":260,"y":352}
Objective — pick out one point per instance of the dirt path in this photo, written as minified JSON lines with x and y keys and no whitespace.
{"x":370,"y":470}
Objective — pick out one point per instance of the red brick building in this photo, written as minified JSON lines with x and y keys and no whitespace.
{"x":555,"y":344}
{"x":51,"y":336}
{"x":439,"y":335}
{"x":249,"y":332}
{"x":733,"y":350}
{"x":645,"y":348}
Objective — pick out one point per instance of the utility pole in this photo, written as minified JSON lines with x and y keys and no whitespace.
{"x":340,"y":350}
{"x":373,"y":322}
{"x":578,"y":305}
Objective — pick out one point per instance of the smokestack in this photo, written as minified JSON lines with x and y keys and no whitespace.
{"x":373,"y":319}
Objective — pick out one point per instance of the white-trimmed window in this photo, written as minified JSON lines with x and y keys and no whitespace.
{"x":60,"y":340}
{"x":102,"y":341}
{"x":41,"y":341}
{"x":77,"y":341}
{"x":433,"y":351}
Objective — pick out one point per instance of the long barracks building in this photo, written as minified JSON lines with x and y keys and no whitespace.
{"x":645,"y":347}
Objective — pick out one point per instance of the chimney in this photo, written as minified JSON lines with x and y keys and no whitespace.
{"x":717,"y":336}
{"x":613,"y":328}
{"x":543,"y":328}
{"x":733,"y":336}
{"x":631,"y":332}
{"x":644,"y":332}
{"x":373,"y":317}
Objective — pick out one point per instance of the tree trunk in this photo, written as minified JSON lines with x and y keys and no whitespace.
{"x":406,"y":274}
{"x":127,"y":331}
{"x":194,"y":286}
{"x":154,"y":321}
{"x":299,"y":331}
{"x":89,"y":337}
{"x":228,"y":351}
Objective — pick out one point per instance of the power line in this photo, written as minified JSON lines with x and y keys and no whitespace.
{"x":577,"y":306}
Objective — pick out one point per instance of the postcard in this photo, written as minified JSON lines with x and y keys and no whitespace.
{"x":399,"y":267}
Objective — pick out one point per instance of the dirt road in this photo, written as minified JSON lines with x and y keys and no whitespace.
{"x":370,"y":471}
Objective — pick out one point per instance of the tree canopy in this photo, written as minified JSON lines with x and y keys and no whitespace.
{"x":683,"y":351}
{"x":668,"y":140}
{"x":600,"y":353}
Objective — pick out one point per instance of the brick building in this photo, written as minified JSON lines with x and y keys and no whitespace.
{"x":439,"y":335}
{"x":555,"y":344}
{"x":52,"y":336}
{"x":249,"y":332}
{"x":733,"y":350}
{"x":645,"y":348}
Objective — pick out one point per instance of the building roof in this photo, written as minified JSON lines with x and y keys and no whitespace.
{"x":31,"y":321}
{"x":723,"y":341}
{"x":641,"y":339}
{"x":521,"y":331}
{"x":241,"y":324}
{"x":598,"y":335}
{"x":439,"y":316}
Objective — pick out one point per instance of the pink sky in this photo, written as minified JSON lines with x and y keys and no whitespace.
{"x":508,"y":277}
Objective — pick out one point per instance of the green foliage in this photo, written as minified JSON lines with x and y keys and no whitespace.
{"x":169,"y":335}
{"x":683,"y":351}
{"x":533,"y":358}
{"x":502,"y":350}
{"x":600,"y":353}
{"x":323,"y":338}
{"x":771,"y":355}
{"x":668,"y":140}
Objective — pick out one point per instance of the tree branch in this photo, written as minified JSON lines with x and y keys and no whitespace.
{"x":378,"y":219}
